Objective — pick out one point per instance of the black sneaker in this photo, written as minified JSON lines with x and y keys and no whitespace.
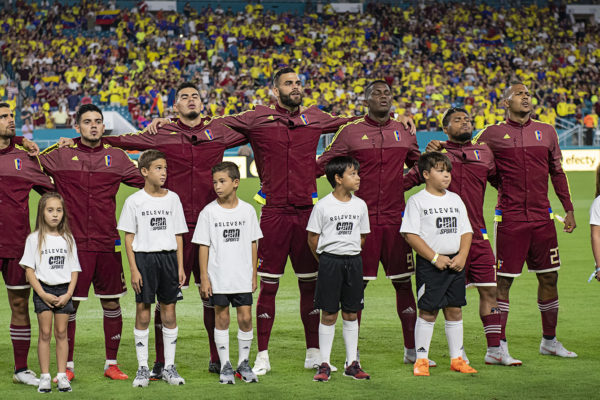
{"x":157,"y":371}
{"x":323,"y":373}
{"x":214,"y":367}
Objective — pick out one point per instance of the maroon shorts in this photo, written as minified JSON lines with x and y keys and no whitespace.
{"x":480,"y":268}
{"x":13,"y":274}
{"x":105,"y":270}
{"x":534,"y":242}
{"x":386,"y":244}
{"x":191,"y":263}
{"x":284,"y":233}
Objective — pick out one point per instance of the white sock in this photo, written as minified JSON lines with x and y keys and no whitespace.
{"x":45,"y":376}
{"x":108,"y":363}
{"x":71,"y":364}
{"x":141,"y":346}
{"x":244,"y":343}
{"x":60,"y":374}
{"x":170,"y":343}
{"x":350,"y":333}
{"x":454,"y":334}
{"x":222,"y":343}
{"x":423,"y":334}
{"x":326,"y":335}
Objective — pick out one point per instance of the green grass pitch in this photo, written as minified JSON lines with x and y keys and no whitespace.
{"x":380,"y":343}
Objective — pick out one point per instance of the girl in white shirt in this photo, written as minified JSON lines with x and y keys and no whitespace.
{"x":51,"y":265}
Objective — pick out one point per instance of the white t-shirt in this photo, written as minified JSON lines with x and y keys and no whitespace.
{"x":154,"y":220}
{"x":229,"y":233}
{"x":339,"y":225}
{"x":55,"y":264}
{"x":439,"y":220}
{"x":595,"y":212}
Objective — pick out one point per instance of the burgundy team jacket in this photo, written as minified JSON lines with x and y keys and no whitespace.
{"x":19,"y":173}
{"x":472,"y":167}
{"x":525,"y":155}
{"x":382,"y":151}
{"x":285,"y":147}
{"x":191,"y":152}
{"x":88,"y":179}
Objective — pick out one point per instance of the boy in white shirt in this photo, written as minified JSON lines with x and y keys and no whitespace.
{"x":153,"y":222}
{"x":436,"y":226}
{"x":337,"y":228}
{"x":227,"y":232}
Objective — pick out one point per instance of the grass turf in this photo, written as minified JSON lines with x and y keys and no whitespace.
{"x":381,"y":342}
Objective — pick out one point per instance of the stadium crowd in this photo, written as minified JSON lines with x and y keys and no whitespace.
{"x":58,"y":57}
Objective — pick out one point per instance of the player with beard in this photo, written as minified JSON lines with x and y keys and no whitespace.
{"x":19,"y":173}
{"x":472,"y":167}
{"x":382,"y":146}
{"x":88,"y":175}
{"x":525,"y":152}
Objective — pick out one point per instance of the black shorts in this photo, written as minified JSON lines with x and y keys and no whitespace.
{"x":340,"y":281}
{"x":236,"y":299}
{"x":160,"y":277}
{"x":57,"y":290}
{"x":437,"y":289}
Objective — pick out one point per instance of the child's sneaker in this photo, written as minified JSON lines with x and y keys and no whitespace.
{"x":227,"y":377}
{"x":63,"y":383}
{"x":171,"y":376}
{"x":459,"y":365}
{"x":421,"y":367}
{"x":355,"y":371}
{"x":27,"y":377}
{"x":142,"y":377}
{"x":45,"y":384}
{"x":245,"y":373}
{"x":323,"y":373}
{"x":157,"y":371}
{"x":555,"y":348}
{"x":70,"y":375}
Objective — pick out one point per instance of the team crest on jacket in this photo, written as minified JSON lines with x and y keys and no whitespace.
{"x":18,"y":164}
{"x":304,"y":119}
{"x":538,"y":135}
{"x":108,"y":160}
{"x":208,"y":134}
{"x":477,"y":154}
{"x":397,"y":136}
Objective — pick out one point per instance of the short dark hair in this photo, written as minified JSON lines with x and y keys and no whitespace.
{"x":4,"y":105}
{"x":509,"y":86}
{"x":185,"y":85}
{"x":87,"y":108}
{"x":427,"y":161}
{"x":227,"y":166}
{"x":449,"y":112}
{"x":338,"y":165}
{"x":148,"y":157}
{"x":370,"y":86}
{"x":286,"y":70}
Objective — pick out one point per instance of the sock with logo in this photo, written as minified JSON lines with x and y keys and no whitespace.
{"x":170,"y":342}
{"x":309,"y":315}
{"x":454,"y":335}
{"x":113,"y":326}
{"x":406,"y":308}
{"x":549,"y":311}
{"x":141,"y":346}
{"x":244,"y":343}
{"x":222,"y":342}
{"x":326,"y":335}
{"x":423,"y":335}
{"x":265,"y":312}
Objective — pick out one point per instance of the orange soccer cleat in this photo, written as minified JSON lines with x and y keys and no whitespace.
{"x":113,"y":372}
{"x":459,"y":365}
{"x":421,"y":367}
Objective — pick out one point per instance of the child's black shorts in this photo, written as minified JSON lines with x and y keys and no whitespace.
{"x":160,"y":277}
{"x":437,"y":289}
{"x":340,"y":281}
{"x":236,"y":299}
{"x":57,"y":290}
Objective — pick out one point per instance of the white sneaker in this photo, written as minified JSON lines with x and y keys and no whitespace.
{"x":171,"y":376}
{"x":63,"y":384}
{"x":313,"y":359}
{"x":27,"y":377}
{"x":410,"y":357}
{"x":45,"y":384}
{"x":496,"y":356}
{"x":262,"y":364}
{"x":555,"y":348}
{"x":506,"y":357}
{"x":142,"y":377}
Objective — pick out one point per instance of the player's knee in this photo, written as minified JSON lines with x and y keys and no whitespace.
{"x":19,"y":302}
{"x":487,"y":294}
{"x":548,"y":280}
{"x":504,"y":283}
{"x":111,"y":304}
{"x":269,"y":285}
{"x":328,"y":318}
{"x":245,"y":322}
{"x":401,"y":284}
{"x":45,"y":334}
{"x":60,"y":332}
{"x":453,"y":313}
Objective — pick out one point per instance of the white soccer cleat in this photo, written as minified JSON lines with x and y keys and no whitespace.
{"x":496,"y":356}
{"x":555,"y":348}
{"x":63,"y":384}
{"x":45,"y":384}
{"x":313,"y":358}
{"x":142,"y":377}
{"x":507,"y":358}
{"x":410,"y":357}
{"x":262,"y":364}
{"x":26,"y":377}
{"x":171,"y":376}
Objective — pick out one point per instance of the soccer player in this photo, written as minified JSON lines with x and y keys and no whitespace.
{"x":153,"y":222}
{"x":192,"y":145}
{"x":437,"y":226}
{"x":337,"y":229}
{"x":19,"y":173}
{"x":472,"y":167}
{"x":382,"y":146}
{"x":227,"y":232}
{"x":526,"y":151}
{"x":88,"y":175}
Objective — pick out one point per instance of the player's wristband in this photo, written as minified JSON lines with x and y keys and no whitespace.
{"x":434,"y":259}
